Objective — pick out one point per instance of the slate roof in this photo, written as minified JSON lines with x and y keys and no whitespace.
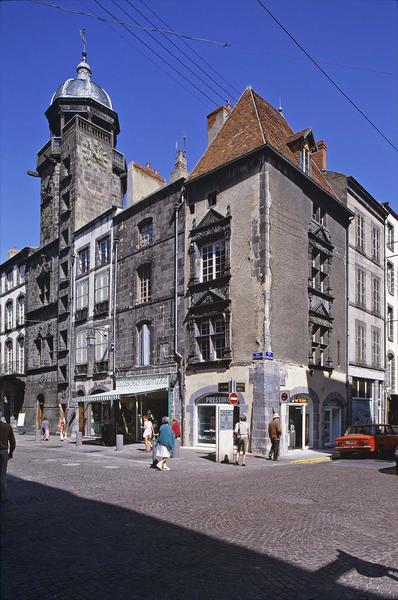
{"x":253,"y":123}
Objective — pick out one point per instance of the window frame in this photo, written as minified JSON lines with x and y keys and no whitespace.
{"x":360,"y":287}
{"x":144,"y":344}
{"x":145,"y":238}
{"x":375,"y":243}
{"x":360,"y":342}
{"x":98,"y":289}
{"x":86,"y":263}
{"x":79,"y":285}
{"x":209,"y":338}
{"x":144,"y":283}
{"x":211,"y":272}
{"x":103,"y":254}
{"x":81,"y":348}
{"x":360,"y":232}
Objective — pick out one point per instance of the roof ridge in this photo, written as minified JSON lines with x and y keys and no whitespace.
{"x":257,"y":115}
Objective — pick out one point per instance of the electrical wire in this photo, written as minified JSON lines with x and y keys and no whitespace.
{"x":330,"y":79}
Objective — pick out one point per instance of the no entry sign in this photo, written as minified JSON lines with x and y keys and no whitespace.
{"x":233,"y":398}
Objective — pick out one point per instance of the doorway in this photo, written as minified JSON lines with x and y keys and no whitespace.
{"x":40,"y":410}
{"x":300,"y":425}
{"x":331,"y":425}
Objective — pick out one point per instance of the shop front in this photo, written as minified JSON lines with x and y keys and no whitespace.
{"x":205,"y":418}
{"x":121,"y":410}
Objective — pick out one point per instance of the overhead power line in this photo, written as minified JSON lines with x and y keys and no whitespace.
{"x":332,"y":81}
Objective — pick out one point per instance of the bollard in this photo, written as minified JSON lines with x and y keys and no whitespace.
{"x":176,"y":449}
{"x":119,"y":441}
{"x":79,"y":438}
{"x":38,"y":435}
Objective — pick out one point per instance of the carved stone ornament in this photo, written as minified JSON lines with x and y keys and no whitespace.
{"x":47,"y":188}
{"x":93,"y":152}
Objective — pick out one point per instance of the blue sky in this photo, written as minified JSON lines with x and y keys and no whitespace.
{"x":355,"y":41}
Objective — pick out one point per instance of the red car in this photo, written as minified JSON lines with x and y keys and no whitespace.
{"x":370,"y":439}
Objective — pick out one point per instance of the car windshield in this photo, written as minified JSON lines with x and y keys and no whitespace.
{"x":358,"y":429}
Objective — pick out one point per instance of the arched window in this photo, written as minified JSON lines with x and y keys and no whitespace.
{"x":21,"y":310}
{"x":8,"y":357}
{"x":144,"y":344}
{"x":9,"y":315}
{"x":21,"y":355}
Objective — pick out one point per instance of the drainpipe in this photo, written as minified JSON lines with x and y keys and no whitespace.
{"x":177,"y":356}
{"x":71,"y":338}
{"x":115,"y":249}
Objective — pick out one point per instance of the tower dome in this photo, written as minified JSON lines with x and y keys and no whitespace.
{"x":82,"y":86}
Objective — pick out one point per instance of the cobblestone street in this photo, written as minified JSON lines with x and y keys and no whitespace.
{"x":91,"y":523}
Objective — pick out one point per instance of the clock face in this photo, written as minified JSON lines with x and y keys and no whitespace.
{"x":94,"y":153}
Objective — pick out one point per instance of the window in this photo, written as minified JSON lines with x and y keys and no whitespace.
{"x":104,"y":251}
{"x":21,"y":355}
{"x":81,"y":348}
{"x":305,"y":160}
{"x":212,"y":199}
{"x":210,"y":338}
{"x":9,"y":315}
{"x":145,"y":233}
{"x":101,"y":286}
{"x":376,"y":244}
{"x":376,"y":295}
{"x":360,"y":232}
{"x":319,"y":273}
{"x":83,"y":261}
{"x":9,"y":280}
{"x":9,"y":356}
{"x":391,"y":371}
{"x":360,"y":287}
{"x":18,"y":275}
{"x":144,"y":344}
{"x":82,"y":294}
{"x":144,"y":283}
{"x":101,"y":345}
{"x":360,"y":342}
{"x":213,"y":260}
{"x":318,"y":214}
{"x":390,"y":236}
{"x":376,"y":347}
{"x":44,"y":288}
{"x":320,"y":343}
{"x":21,"y":310}
{"x":390,"y":323}
{"x":38,"y":347}
{"x":390,"y":278}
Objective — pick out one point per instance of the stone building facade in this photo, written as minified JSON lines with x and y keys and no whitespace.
{"x":12,"y":333}
{"x":82,"y":175}
{"x":265,"y":236}
{"x":391,"y":308}
{"x":366,"y":301}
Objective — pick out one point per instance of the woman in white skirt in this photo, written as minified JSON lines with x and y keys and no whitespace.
{"x":147,"y":433}
{"x":165,"y":445}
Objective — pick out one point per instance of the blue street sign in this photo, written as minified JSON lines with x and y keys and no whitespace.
{"x":269,"y":355}
{"x":257,"y":355}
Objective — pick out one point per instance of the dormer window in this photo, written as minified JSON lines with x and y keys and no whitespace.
{"x":305,"y":159}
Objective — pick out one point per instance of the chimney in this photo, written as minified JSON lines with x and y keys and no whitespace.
{"x":215,"y":120}
{"x":319,"y":157}
{"x":180,"y":168}
{"x":12,"y":252}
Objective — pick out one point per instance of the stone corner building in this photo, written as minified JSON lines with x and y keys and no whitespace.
{"x":265,"y":271}
{"x":81,"y":175}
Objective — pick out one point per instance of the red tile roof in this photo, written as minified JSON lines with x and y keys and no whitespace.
{"x":253,"y":123}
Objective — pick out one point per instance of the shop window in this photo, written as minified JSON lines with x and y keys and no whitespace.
{"x":206,"y":424}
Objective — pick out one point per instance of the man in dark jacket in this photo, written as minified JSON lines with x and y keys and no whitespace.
{"x":7,"y":447}
{"x":274,"y":432}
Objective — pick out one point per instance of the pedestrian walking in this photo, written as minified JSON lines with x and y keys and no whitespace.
{"x":274,"y":432}
{"x":165,"y":445}
{"x":176,"y":427}
{"x":7,"y":447}
{"x":147,"y":433}
{"x":45,"y":429}
{"x":241,"y":439}
{"x":62,"y":428}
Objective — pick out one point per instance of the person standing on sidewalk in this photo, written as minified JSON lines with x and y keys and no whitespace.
{"x":7,"y":447}
{"x":45,"y":429}
{"x":274,"y":432}
{"x":61,"y":428}
{"x":241,"y":435}
{"x":165,"y":445}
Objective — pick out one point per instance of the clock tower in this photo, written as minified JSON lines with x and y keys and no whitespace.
{"x":82,"y":176}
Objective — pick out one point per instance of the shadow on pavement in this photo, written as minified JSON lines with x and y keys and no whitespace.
{"x":56,"y":545}
{"x":389,"y":471}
